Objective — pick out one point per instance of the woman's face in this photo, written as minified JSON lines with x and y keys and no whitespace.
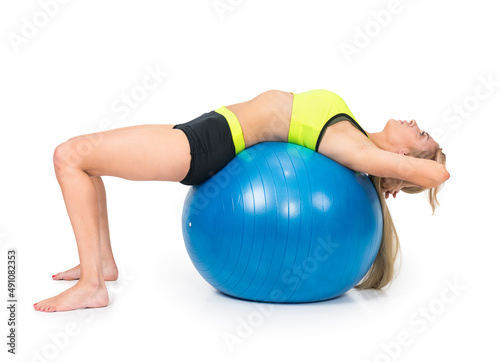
{"x":408,"y":138}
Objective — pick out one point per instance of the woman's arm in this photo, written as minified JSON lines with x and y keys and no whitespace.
{"x":378,"y":162}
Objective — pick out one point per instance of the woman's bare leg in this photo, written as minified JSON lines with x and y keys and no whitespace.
{"x":150,"y":152}
{"x":109,"y":268}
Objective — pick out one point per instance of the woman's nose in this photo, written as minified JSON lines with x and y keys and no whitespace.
{"x":412,"y":122}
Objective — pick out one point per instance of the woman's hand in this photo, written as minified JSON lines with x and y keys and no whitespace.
{"x":390,"y":186}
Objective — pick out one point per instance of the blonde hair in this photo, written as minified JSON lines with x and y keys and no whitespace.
{"x":383,"y":270}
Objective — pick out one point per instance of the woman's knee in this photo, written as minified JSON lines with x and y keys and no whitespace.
{"x":68,"y":155}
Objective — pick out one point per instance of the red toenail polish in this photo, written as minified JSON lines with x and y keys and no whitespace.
{"x":53,"y":275}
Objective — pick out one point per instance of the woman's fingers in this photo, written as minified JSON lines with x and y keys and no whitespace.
{"x":388,"y":193}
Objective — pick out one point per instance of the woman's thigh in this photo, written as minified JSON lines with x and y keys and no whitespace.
{"x":140,"y":153}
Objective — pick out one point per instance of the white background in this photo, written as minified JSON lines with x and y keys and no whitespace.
{"x":422,"y":62}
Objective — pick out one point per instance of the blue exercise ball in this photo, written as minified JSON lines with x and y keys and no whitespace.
{"x":282,"y":223}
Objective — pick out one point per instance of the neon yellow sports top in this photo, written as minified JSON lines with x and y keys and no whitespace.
{"x":312,"y":112}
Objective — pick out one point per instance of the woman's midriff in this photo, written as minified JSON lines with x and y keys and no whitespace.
{"x":265,"y":118}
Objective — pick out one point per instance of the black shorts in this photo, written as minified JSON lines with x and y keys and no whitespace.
{"x":211,"y":145}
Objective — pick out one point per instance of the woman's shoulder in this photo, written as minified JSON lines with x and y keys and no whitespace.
{"x":342,"y":142}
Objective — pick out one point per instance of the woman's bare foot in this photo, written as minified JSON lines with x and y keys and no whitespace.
{"x":81,"y":295}
{"x":109,"y":269}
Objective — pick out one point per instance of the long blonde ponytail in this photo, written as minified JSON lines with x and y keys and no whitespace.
{"x":384,"y":268}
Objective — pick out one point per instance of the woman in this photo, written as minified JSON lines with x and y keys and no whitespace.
{"x":191,"y":152}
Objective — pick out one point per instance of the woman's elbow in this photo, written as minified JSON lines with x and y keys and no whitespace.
{"x":430,"y":180}
{"x":442,"y":176}
{"x":445,"y":175}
